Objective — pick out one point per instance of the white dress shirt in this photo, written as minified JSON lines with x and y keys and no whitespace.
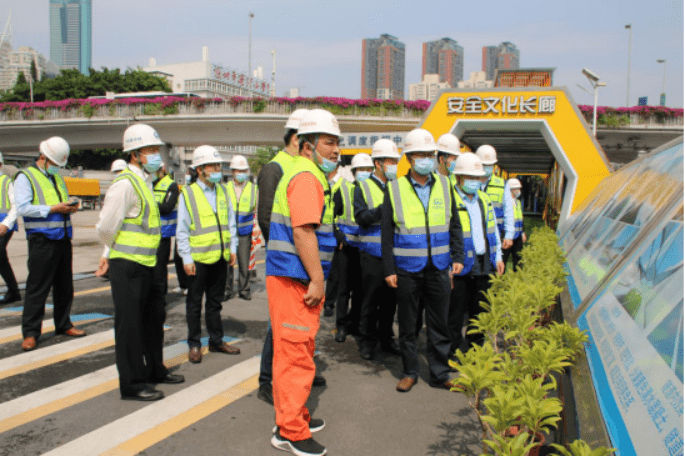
{"x":11,"y":217}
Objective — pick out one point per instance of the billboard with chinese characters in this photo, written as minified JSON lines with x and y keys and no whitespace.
{"x":240,"y":80}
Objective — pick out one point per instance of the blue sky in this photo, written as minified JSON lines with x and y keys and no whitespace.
{"x":318,"y":43}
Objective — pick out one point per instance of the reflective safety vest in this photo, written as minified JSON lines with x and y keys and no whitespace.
{"x":346,"y":222}
{"x":370,"y":238}
{"x":138,"y":237}
{"x":518,"y":218}
{"x":490,"y":227}
{"x":209,"y":232}
{"x":421,"y":233}
{"x":245,"y":208}
{"x":168,"y":220}
{"x":284,"y":160}
{"x":282,"y":258}
{"x":56,"y":225}
{"x":5,"y":200}
{"x":495,"y":190}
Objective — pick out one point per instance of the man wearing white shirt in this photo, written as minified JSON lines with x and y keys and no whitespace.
{"x":8,"y":225}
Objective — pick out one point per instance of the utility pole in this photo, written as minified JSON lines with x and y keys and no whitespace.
{"x":272,"y":92}
{"x":630,"y":50}
{"x":249,"y":47}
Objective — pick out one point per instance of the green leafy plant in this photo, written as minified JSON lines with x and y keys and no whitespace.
{"x":580,"y":447}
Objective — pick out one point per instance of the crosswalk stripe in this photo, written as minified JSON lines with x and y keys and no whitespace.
{"x":14,"y":333}
{"x":151,"y":424}
{"x":17,"y":310}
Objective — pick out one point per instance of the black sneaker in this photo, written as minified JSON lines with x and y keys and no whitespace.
{"x":266,"y":393}
{"x":302,"y":447}
{"x":328,"y":312}
{"x":315,"y":425}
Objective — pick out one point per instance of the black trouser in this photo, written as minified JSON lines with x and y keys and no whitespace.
{"x":243,"y":258}
{"x":5,"y":268}
{"x":350,"y":282}
{"x":333,"y":286}
{"x":515,"y":252}
{"x":430,"y":287}
{"x":209,"y":280}
{"x":378,"y":303}
{"x":180,"y":271}
{"x":138,"y":326}
{"x":49,"y":267}
{"x":160,"y":274}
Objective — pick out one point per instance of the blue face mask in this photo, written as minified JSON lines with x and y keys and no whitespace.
{"x":214,"y":177}
{"x":52,"y":170}
{"x":188,"y":179}
{"x":451,"y":166}
{"x":241,"y":177}
{"x":471,"y":186}
{"x":488,"y":169}
{"x":363,"y":175}
{"x":517,"y":193}
{"x":391,"y":172}
{"x":154,"y":161}
{"x":326,"y":165}
{"x":424,"y":166}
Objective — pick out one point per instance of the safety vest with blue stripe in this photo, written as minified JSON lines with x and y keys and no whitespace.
{"x":346,"y":222}
{"x":421,"y":233}
{"x":370,"y":238}
{"x":490,"y":227}
{"x":245,"y":208}
{"x":56,"y":225}
{"x":168,"y":220}
{"x":495,"y":190}
{"x":518,"y":218}
{"x":5,"y":205}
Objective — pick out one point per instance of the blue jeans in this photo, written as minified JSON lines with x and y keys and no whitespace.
{"x":266,"y":366}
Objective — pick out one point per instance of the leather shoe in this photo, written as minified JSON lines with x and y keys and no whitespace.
{"x":10,"y":298}
{"x":445,"y":385}
{"x":405,"y":384}
{"x":366,"y":353}
{"x":225,"y":348}
{"x":390,"y":347}
{"x":319,"y":381}
{"x":328,"y":312}
{"x":228,"y":296}
{"x":29,"y":343}
{"x":145,"y":395}
{"x":170,"y":379}
{"x":195,"y":355}
{"x":76,"y":333}
{"x":266,"y":393}
{"x":246,"y":296}
{"x":341,"y":335}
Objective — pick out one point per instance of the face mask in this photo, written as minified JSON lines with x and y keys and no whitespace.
{"x":188,"y":179}
{"x":390,"y":172}
{"x":424,"y":166}
{"x":471,"y":186}
{"x":154,"y":161}
{"x":363,"y":175}
{"x":214,"y":177}
{"x":326,"y":165}
{"x":241,"y":177}
{"x":451,"y":166}
{"x":52,"y":170}
{"x":517,"y":193}
{"x":488,"y":169}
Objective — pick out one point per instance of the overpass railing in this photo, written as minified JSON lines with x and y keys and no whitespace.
{"x":636,"y":116}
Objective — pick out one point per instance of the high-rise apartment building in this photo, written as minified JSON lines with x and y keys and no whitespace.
{"x":20,"y":61}
{"x":444,"y":57}
{"x":428,"y":89}
{"x":504,"y":56}
{"x":71,"y":34}
{"x":383,"y":68}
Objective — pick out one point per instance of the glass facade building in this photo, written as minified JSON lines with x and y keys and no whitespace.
{"x":383,"y":68}
{"x":444,"y":57}
{"x":71,"y":34}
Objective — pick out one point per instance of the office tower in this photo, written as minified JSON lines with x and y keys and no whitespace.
{"x":71,"y":34}
{"x":444,"y":57}
{"x":383,"y":68}
{"x":504,"y":56}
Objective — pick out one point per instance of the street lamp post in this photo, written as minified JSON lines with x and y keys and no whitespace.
{"x":630,"y":49}
{"x":596,"y":84}
{"x":249,"y":48}
{"x":663,"y":87}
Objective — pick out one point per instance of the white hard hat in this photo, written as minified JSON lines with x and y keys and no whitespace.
{"x":419,"y":140}
{"x":295,"y":118}
{"x":239,"y":162}
{"x":319,"y":121}
{"x":206,"y":154}
{"x":361,"y":160}
{"x":139,"y":136}
{"x":487,"y":154}
{"x":384,"y":148}
{"x":1,"y":159}
{"x":514,"y":183}
{"x":118,"y":165}
{"x":55,"y":149}
{"x":449,"y":144}
{"x":469,"y":164}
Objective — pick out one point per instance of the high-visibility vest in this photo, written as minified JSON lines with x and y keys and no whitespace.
{"x":345,"y":222}
{"x":518,"y":218}
{"x":245,"y":208}
{"x":168,"y":220}
{"x":5,"y":205}
{"x":421,"y":233}
{"x":337,"y":185}
{"x":56,"y":225}
{"x":209,"y":232}
{"x":138,"y":237}
{"x":495,"y":190}
{"x":370,"y":238}
{"x":490,"y":227}
{"x":284,"y":160}
{"x":282,"y":258}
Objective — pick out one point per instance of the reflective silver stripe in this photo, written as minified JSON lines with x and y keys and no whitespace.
{"x":283,"y":246}
{"x":45,"y":224}
{"x":253,"y":195}
{"x":135,"y":228}
{"x":36,"y":188}
{"x":167,"y":221}
{"x":4,"y":201}
{"x":145,"y":219}
{"x":349,"y":217}
{"x":134,"y":250}
{"x":244,"y":213}
{"x":368,"y":196}
{"x":196,"y":213}
{"x":246,"y":224}
{"x":279,"y":218}
{"x":399,"y":211}
{"x":205,"y":249}
{"x":325,"y":256}
{"x":446,"y":189}
{"x":325,"y":228}
{"x":406,"y":252}
{"x":369,"y":239}
{"x":469,"y":254}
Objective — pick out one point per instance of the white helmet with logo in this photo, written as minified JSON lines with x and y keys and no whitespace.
{"x":361,"y":160}
{"x":384,"y":148}
{"x":468,"y":164}
{"x":419,"y":140}
{"x":318,"y":121}
{"x":295,"y":118}
{"x":239,"y":162}
{"x":118,"y":165}
{"x":514,"y":183}
{"x":139,"y":136}
{"x":487,"y":154}
{"x":206,"y":154}
{"x":449,"y":144}
{"x":55,"y":149}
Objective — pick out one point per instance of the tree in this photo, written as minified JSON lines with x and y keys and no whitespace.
{"x":261,"y":158}
{"x":95,"y":159}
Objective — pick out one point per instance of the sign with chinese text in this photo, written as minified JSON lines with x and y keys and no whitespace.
{"x":505,"y":104}
{"x":240,"y":80}
{"x":642,"y":101}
